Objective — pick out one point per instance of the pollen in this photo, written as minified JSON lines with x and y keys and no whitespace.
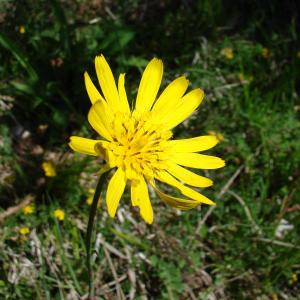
{"x":139,"y":145}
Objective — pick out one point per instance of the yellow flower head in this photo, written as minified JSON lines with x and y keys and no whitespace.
{"x":28,"y":209}
{"x":294,"y":278}
{"x":241,"y":77}
{"x":89,"y":199}
{"x":227,"y":53}
{"x":59,"y":214}
{"x":24,"y":230}
{"x":22,"y":29}
{"x":266,"y":53}
{"x":298,"y":54}
{"x":274,"y":297}
{"x":91,"y":192}
{"x":137,"y":142}
{"x":49,"y":169}
{"x":245,"y":78}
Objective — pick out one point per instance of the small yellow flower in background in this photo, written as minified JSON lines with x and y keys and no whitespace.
{"x":49,"y":169}
{"x":218,"y":135}
{"x":298,"y":54}
{"x":28,"y":209}
{"x":89,"y":199}
{"x":266,"y":53}
{"x":242,"y":77}
{"x":90,"y":195}
{"x":91,"y":191}
{"x":24,"y":230}
{"x":22,"y":29}
{"x":274,"y":297}
{"x":294,"y":277}
{"x":137,"y":142}
{"x":228,"y":53}
{"x":59,"y":214}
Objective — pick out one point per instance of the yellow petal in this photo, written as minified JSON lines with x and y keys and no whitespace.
{"x":115,"y":191}
{"x":188,"y":104}
{"x":122,"y":94}
{"x":107,"y":83}
{"x":98,"y":118}
{"x":83,"y":145}
{"x":199,"y":161}
{"x":170,"y":97}
{"x":140,"y":197}
{"x":179,"y":203}
{"x":188,"y":177}
{"x":105,"y":114}
{"x":92,"y":91}
{"x":149,"y":85}
{"x":200,"y":143}
{"x":134,"y":195}
{"x":186,"y":191}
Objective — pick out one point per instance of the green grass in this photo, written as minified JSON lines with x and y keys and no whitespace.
{"x":229,"y":252}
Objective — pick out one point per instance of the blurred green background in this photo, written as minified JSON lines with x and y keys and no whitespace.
{"x":246,"y":57}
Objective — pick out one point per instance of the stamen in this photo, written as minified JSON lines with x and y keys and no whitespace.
{"x":138,"y":145}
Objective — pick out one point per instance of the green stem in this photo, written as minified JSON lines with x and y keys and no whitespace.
{"x":89,"y":231}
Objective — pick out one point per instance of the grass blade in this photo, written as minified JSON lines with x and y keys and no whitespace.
{"x":6,"y":43}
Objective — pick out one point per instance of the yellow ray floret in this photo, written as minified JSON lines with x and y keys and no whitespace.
{"x":188,"y":177}
{"x":140,"y":198}
{"x":170,"y":97}
{"x":91,"y":89}
{"x":149,"y":85}
{"x":138,"y":142}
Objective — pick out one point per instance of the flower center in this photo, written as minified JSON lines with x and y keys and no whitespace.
{"x":138,"y":146}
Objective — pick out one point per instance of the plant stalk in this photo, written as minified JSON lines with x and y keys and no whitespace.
{"x":89,"y":232}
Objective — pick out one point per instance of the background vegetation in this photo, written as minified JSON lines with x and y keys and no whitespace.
{"x":245,"y":55}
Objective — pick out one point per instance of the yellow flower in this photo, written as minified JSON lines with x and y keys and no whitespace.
{"x":241,"y":77}
{"x":22,"y":29}
{"x":138,"y":142}
{"x":49,"y":169}
{"x":24,"y":230}
{"x":294,"y":278}
{"x":91,"y":191}
{"x":245,"y":78}
{"x":228,"y":53}
{"x":28,"y":209}
{"x":89,"y":199}
{"x":266,"y":53}
{"x":59,"y":214}
{"x":274,"y":297}
{"x":298,"y":54}
{"x":218,"y":135}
